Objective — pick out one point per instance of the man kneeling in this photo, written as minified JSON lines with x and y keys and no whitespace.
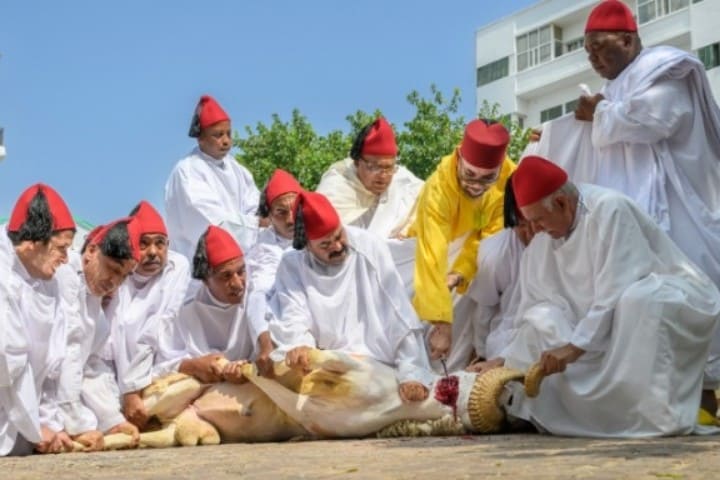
{"x":615,"y":312}
{"x":340,"y":291}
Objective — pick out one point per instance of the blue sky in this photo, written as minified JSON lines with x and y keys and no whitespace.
{"x":96,"y":96}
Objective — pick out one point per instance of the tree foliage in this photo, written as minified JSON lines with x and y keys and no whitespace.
{"x":434,"y":131}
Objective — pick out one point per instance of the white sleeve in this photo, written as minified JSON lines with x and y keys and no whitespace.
{"x":251,"y":193}
{"x":291,"y":320}
{"x":160,"y":350}
{"x":622,"y":257}
{"x":194,"y":203}
{"x":170,"y":351}
{"x":653,"y":115}
{"x":101,"y":394}
{"x":412,"y":362}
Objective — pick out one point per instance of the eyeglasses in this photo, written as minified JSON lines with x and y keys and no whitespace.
{"x":376,"y":169}
{"x":469,"y":178}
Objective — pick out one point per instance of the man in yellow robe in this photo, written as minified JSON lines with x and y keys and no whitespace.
{"x":460,"y":204}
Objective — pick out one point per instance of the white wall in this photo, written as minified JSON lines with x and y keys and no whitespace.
{"x":705,"y":20}
{"x":501,"y":91}
{"x":495,"y":43}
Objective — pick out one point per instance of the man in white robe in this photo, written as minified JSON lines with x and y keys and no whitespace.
{"x":369,"y":189}
{"x":143,"y":312}
{"x":32,"y":325}
{"x":216,"y":324}
{"x":484,"y":315}
{"x":276,"y":204}
{"x":618,"y":317}
{"x":209,"y":187}
{"x":653,"y":133}
{"x":342,"y":292}
{"x":88,"y":386}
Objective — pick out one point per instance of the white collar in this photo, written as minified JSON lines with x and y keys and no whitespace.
{"x":206,"y":296}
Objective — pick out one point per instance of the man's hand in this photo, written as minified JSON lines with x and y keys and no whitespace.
{"x":586,"y":107}
{"x":207,"y":368}
{"x":92,"y":440}
{"x":484,"y":366}
{"x":53,"y":442}
{"x":440,"y":340}
{"x":263,"y":361}
{"x":128,"y":429}
{"x":233,"y":372}
{"x":134,"y":409}
{"x":557,"y":359}
{"x":412,"y":392}
{"x":299,"y":357}
{"x":454,"y":279}
{"x":535,"y":135}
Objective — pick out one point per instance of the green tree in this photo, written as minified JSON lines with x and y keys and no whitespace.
{"x":434,"y":131}
{"x":293,"y":146}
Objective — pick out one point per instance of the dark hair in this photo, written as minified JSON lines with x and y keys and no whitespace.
{"x":299,"y":235}
{"x":38,"y":225}
{"x":356,"y":149}
{"x":201,"y":265}
{"x":510,"y":206}
{"x":263,"y":210}
{"x":116,"y":243}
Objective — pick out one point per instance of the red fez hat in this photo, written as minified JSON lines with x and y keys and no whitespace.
{"x":61,"y":218}
{"x":280,"y":183}
{"x":380,"y":139}
{"x":207,"y":112}
{"x":484,"y":144}
{"x":150,"y":219}
{"x":535,"y":179}
{"x":98,"y":234}
{"x":319,"y":216}
{"x":220,"y":246}
{"x":611,"y":16}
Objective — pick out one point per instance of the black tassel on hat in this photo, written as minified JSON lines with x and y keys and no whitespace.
{"x":263,"y":210}
{"x":194,"y":131}
{"x":356,"y":149}
{"x":510,"y":212}
{"x":299,"y":236}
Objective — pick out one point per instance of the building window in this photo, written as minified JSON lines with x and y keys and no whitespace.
{"x":710,"y":55}
{"x":493,"y":71}
{"x":649,"y":10}
{"x":571,"y":106}
{"x":575,"y":44}
{"x":538,"y":46}
{"x":551,"y":113}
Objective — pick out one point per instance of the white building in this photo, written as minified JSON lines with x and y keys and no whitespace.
{"x":531,"y":63}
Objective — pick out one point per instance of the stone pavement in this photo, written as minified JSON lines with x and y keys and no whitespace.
{"x":520,"y":456}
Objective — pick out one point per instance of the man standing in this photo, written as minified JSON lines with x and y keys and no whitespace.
{"x":656,"y":138}
{"x":461,"y":203}
{"x":369,"y":189}
{"x":32,"y":324}
{"x":340,"y":291}
{"x":216,"y":324}
{"x":615,"y":313}
{"x":142,"y":314}
{"x":89,"y":393}
{"x":209,"y":187}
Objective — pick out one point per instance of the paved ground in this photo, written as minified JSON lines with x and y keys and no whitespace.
{"x":501,"y":456}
